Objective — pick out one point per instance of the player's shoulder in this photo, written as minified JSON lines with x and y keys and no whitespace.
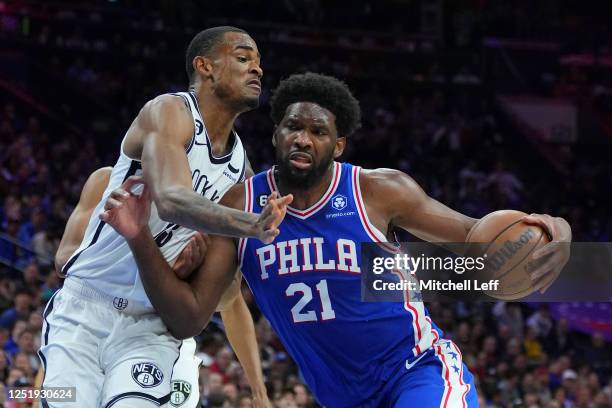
{"x":165,"y":102}
{"x":389,"y":190}
{"x":166,"y":112}
{"x":385,"y":182}
{"x":100,"y":175}
{"x":385,"y":179}
{"x":94,"y":186}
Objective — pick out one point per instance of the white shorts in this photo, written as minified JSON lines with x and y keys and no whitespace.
{"x":185,"y":390}
{"x":115,"y":353}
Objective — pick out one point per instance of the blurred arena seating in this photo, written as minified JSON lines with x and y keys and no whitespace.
{"x":441,"y":89}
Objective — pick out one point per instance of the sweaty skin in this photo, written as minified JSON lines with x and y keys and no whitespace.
{"x":236,"y":316}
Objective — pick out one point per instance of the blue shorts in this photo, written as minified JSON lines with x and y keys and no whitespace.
{"x":437,"y":378}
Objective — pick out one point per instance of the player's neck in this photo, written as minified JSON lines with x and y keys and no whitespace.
{"x":219,"y":121}
{"x":305,"y":196}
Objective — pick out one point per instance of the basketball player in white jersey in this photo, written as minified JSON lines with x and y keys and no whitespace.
{"x":101,"y":333}
{"x":236,"y":317}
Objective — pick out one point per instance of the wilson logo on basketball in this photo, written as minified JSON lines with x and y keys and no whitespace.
{"x":147,"y":375}
{"x":507,"y":251}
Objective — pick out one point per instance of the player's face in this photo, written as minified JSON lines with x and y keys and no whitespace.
{"x":237,"y":72}
{"x":306,"y":143}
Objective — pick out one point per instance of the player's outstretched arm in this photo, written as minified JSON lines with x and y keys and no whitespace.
{"x":392,"y":198}
{"x":93,"y":190}
{"x":240,"y":331}
{"x":77,"y":222}
{"x":167,"y":128}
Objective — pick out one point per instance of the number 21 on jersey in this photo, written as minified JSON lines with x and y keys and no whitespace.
{"x":299,"y":314}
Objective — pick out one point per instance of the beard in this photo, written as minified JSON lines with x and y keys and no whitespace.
{"x":302,"y":179}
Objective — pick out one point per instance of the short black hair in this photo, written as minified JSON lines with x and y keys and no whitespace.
{"x":326,"y":91}
{"x":204,"y":42}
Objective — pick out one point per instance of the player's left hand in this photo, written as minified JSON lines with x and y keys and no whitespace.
{"x":127,"y":212}
{"x":271,"y":217}
{"x":556,"y":252}
{"x":192,"y":255}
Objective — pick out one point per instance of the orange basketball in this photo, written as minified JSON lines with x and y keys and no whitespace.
{"x":507,"y":245}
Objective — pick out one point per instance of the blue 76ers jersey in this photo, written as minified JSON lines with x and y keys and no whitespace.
{"x":308,"y":285}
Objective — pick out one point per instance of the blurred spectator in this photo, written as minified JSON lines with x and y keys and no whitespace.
{"x":223,"y":364}
{"x":302,"y":397}
{"x":430,"y":115}
{"x":20,"y":310}
{"x":598,"y":356}
{"x":540,"y":322}
{"x":286,"y":399}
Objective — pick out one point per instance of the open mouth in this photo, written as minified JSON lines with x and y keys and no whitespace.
{"x":300,"y":160}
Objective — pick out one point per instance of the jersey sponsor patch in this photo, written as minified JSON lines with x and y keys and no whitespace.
{"x":147,"y":374}
{"x":179,"y":392}
{"x":339,"y":202}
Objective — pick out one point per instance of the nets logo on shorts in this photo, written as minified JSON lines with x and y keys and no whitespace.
{"x":120,"y":303}
{"x":339,"y":202}
{"x":147,"y":375}
{"x":180,"y":392}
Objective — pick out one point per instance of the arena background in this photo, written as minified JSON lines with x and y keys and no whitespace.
{"x":487,"y":104}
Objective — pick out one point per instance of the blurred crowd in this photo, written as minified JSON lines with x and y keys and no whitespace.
{"x":429,"y":114}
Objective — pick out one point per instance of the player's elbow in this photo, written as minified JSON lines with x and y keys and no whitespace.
{"x":189,"y":326}
{"x":192,"y":319}
{"x":182,"y":332}
{"x":59,"y":264}
{"x":168,"y":202}
{"x":61,"y":258}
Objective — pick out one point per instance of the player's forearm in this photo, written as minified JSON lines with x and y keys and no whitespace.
{"x":182,"y":206}
{"x":240,"y":331}
{"x":173,"y":299}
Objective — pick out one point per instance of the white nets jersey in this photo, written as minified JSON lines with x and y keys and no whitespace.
{"x":104,"y":259}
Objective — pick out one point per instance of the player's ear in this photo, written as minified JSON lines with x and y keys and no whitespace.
{"x":340,"y":145}
{"x":274,"y":135}
{"x":203,"y":66}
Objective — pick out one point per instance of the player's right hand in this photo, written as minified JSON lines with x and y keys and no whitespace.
{"x":127,"y":212}
{"x":271,"y":216}
{"x":192,"y":255}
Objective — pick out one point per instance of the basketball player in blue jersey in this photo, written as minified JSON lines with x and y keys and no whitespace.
{"x":101,"y":334}
{"x":307,"y":282}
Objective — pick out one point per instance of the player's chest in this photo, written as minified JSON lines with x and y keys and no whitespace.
{"x":292,"y":256}
{"x":212,"y":180}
